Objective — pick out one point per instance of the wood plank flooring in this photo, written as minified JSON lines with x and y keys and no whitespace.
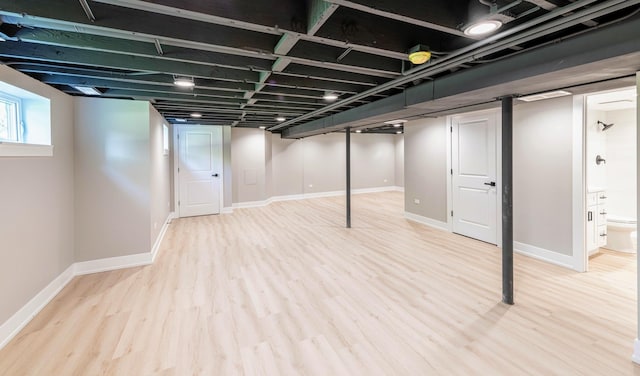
{"x":287,"y":290}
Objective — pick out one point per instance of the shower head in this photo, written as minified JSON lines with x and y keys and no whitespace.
{"x":605,"y":126}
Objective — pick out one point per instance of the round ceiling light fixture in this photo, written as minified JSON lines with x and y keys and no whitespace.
{"x":281,"y":118}
{"x":184,"y":82}
{"x":419,"y":54}
{"x":330,"y":96}
{"x":358,"y":130}
{"x":482,"y":27}
{"x":196,"y":115}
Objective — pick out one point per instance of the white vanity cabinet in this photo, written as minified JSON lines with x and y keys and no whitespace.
{"x":596,"y":220}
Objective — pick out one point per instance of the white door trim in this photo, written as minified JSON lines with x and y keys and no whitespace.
{"x":579,"y":193}
{"x":449,"y":122}
{"x":176,"y":163}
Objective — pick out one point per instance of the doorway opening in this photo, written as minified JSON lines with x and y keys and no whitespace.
{"x":610,"y":172}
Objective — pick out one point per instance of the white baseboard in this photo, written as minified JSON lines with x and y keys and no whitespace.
{"x":427,"y":221}
{"x":227,"y":210}
{"x":20,"y":319}
{"x":305,"y":196}
{"x":112,"y":263}
{"x":10,"y":328}
{"x":636,"y":351}
{"x":163,"y":230}
{"x":250,"y":204}
{"x":544,"y":255}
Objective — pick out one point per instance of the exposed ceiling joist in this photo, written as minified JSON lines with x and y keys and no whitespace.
{"x":272,"y":55}
{"x":536,"y":70}
{"x":398,"y":17}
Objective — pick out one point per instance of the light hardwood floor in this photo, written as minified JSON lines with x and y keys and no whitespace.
{"x":286,"y":290}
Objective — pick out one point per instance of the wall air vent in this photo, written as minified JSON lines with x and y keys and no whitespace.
{"x":541,"y":96}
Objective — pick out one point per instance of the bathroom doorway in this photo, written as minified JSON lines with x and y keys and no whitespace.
{"x":610,"y":169}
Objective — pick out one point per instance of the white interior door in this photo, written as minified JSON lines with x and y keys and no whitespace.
{"x":474,"y":199}
{"x":199,"y":170}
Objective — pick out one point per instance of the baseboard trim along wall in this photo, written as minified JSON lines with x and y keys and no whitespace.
{"x":544,"y":255}
{"x":20,"y":319}
{"x":305,"y":196}
{"x":521,"y":248}
{"x":427,"y":221}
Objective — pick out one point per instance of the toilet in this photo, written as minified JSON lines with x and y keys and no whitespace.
{"x":622,"y":234}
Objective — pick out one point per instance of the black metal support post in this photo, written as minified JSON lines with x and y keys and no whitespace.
{"x":348,"y":133}
{"x":507,"y":200}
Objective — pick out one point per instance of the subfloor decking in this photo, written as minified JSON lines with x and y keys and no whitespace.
{"x":287,"y":290}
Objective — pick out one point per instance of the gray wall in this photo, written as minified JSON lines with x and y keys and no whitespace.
{"x":399,"y":161}
{"x":425,"y":168}
{"x":160,"y":175}
{"x":324,"y":163}
{"x":227,"y":168}
{"x":373,"y":160}
{"x":268,"y":164}
{"x":248,"y":164}
{"x":112,"y":176}
{"x":288,"y":168}
{"x":542,"y":174}
{"x":317,"y":164}
{"x":36,"y":219}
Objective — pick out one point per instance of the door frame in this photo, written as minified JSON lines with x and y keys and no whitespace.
{"x":176,"y":162}
{"x":498,"y":114}
{"x":579,"y":182}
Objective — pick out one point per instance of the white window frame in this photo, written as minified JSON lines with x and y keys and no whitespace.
{"x":16,"y":134}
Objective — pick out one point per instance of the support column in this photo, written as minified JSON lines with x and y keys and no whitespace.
{"x":348,"y":142}
{"x":507,"y":200}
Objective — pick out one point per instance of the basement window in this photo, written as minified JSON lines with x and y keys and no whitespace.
{"x":25,"y":123}
{"x":10,"y":124}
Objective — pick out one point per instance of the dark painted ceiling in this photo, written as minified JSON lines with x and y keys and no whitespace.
{"x":253,"y":61}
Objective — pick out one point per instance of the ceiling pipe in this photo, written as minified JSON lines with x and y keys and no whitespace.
{"x":483,"y":48}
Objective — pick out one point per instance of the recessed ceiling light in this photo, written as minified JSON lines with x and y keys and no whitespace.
{"x":397,"y":125}
{"x":399,"y":132}
{"x":179,"y":120}
{"x":394,"y":122}
{"x":482,"y":27}
{"x":262,"y":127}
{"x":330,"y":96}
{"x":358,"y":130}
{"x":88,"y":90}
{"x":281,"y":118}
{"x":184,"y":82}
{"x":196,"y":115}
{"x":541,"y":96}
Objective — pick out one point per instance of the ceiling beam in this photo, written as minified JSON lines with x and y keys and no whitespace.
{"x":532,"y":29}
{"x":124,"y":28}
{"x":319,"y":13}
{"x":151,"y":78}
{"x":67,"y":55}
{"x":398,"y":17}
{"x":114,"y":84}
{"x":606,"y":53}
{"x":138,"y":48}
{"x":313,"y":25}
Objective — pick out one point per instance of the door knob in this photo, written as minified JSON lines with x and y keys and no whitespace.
{"x":493,"y":183}
{"x":215,"y":175}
